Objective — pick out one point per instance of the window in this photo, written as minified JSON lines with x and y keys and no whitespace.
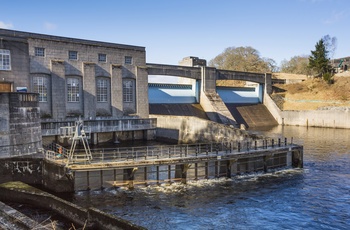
{"x":73,"y":90}
{"x":40,"y":87}
{"x":39,"y":52}
{"x":5,"y":59}
{"x":128,"y":90}
{"x":73,"y":55}
{"x":102,"y":57}
{"x":128,"y":60}
{"x":101,"y":91}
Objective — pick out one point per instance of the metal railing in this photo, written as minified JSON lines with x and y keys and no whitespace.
{"x":50,"y":128}
{"x":144,"y":153}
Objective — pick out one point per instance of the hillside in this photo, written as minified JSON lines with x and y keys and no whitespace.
{"x":312,"y":93}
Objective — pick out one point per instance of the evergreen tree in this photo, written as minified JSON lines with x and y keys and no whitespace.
{"x":319,"y":61}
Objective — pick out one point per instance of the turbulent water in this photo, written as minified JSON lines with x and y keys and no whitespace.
{"x":315,"y":197}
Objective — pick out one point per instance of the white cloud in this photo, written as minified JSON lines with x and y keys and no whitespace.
{"x":49,"y":26}
{"x":335,"y":17}
{"x":5,"y":25}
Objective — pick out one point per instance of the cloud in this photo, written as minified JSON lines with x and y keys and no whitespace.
{"x":49,"y":26}
{"x":335,"y":17}
{"x":5,"y":25}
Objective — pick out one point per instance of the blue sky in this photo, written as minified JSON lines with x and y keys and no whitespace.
{"x":172,"y":30}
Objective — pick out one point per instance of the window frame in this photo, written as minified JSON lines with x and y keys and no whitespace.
{"x":5,"y":59}
{"x":102,"y":57}
{"x":102,"y":90}
{"x":39,"y":51}
{"x":128,"y":60}
{"x":40,"y":86}
{"x":128,"y":90}
{"x":72,"y":55}
{"x":73,"y":89}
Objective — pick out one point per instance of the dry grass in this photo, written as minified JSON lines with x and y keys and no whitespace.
{"x":314,"y":93}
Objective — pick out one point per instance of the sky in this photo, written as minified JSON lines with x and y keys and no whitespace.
{"x":173,"y":29}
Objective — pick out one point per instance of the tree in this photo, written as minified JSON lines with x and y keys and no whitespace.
{"x":331,"y":44}
{"x":245,"y":59}
{"x":296,"y":65}
{"x":319,"y":61}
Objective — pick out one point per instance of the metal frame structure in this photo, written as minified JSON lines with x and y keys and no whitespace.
{"x":78,"y":135}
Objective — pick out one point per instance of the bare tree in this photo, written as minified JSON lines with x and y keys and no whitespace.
{"x":245,"y":59}
{"x":331,"y":45}
{"x":297,"y":65}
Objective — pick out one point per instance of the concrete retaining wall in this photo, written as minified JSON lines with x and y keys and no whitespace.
{"x":13,"y":219}
{"x":331,"y":118}
{"x":25,"y":169}
{"x":191,"y":129}
{"x":20,"y":130}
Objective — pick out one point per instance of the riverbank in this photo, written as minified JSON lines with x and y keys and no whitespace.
{"x":87,"y":218}
{"x":312,"y":93}
{"x":312,"y":102}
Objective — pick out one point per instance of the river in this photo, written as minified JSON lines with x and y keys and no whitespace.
{"x":315,"y":197}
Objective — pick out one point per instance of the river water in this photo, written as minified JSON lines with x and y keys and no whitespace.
{"x":315,"y":197}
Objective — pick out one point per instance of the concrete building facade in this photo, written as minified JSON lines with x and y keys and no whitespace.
{"x":75,"y":77}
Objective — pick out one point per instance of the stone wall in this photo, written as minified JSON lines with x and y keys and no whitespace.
{"x":20,"y":128}
{"x":55,"y":67}
{"x":25,"y":169}
{"x":19,"y":73}
{"x":87,"y":69}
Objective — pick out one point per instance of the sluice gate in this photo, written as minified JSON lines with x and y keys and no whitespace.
{"x":167,"y":164}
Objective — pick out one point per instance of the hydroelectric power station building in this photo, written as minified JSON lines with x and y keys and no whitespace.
{"x":75,"y":77}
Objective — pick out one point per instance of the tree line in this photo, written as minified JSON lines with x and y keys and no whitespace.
{"x":248,"y":59}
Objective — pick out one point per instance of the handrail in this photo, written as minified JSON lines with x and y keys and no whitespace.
{"x":142,"y":153}
{"x":94,"y":126}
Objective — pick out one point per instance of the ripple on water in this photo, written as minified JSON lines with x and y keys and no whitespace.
{"x":316,"y":197}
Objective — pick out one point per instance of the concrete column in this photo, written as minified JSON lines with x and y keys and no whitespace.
{"x":297,"y":158}
{"x":208,"y":78}
{"x":169,"y":173}
{"x":145,"y":175}
{"x":157,"y":174}
{"x":142,"y":107}
{"x":266,"y":158}
{"x":268,"y":83}
{"x":228,"y":166}
{"x":289,"y":159}
{"x":181,"y":172}
{"x":94,"y":138}
{"x":130,"y":176}
{"x":116,"y":90}
{"x":206,"y":170}
{"x":89,"y":90}
{"x":58,"y":89}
